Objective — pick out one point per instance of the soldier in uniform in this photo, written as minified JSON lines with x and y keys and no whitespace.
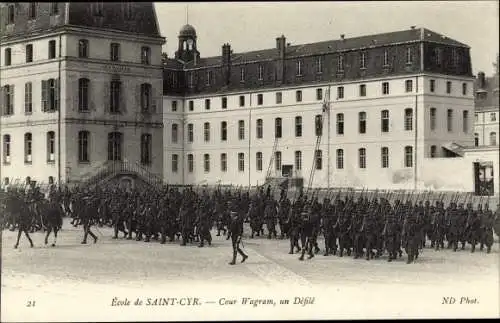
{"x":487,"y":221}
{"x":235,"y":233}
{"x":270,"y":214}
{"x":329,"y":220}
{"x":390,"y":232}
{"x":472,"y":230}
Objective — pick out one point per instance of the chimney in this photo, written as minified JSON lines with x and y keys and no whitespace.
{"x":226,"y":62}
{"x":280,"y":63}
{"x":413,"y":27}
{"x":342,"y":37}
{"x":482,"y":80}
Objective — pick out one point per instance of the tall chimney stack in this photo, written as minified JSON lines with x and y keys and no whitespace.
{"x":226,"y":62}
{"x":482,"y":80}
{"x":280,"y":64}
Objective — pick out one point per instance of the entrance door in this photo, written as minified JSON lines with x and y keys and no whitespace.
{"x":287,"y":170}
{"x":483,"y":179}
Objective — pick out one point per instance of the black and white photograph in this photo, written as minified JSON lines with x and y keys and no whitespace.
{"x":224,"y":161}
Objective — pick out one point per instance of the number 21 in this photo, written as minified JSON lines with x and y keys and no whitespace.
{"x":30,"y":304}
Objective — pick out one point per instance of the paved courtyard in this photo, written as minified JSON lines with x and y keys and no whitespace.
{"x":78,"y":282}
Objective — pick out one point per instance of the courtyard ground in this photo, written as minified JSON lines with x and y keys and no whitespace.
{"x":74,"y":282}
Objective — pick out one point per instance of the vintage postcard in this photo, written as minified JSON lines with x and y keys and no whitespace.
{"x":249,"y":161}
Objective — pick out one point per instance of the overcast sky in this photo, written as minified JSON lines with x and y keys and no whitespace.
{"x":255,"y":25}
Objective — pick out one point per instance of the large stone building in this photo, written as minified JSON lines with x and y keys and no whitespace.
{"x":383,"y":104}
{"x":81,"y":89}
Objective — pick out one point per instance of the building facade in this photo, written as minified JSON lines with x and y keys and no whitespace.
{"x":363,"y":112}
{"x":81,"y":88}
{"x":487,"y":111}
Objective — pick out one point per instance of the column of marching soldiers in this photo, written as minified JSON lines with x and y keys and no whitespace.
{"x":366,"y":224}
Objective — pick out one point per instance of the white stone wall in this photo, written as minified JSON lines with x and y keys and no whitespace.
{"x":487,"y":121}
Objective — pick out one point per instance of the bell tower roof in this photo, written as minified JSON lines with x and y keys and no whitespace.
{"x":187,"y":31}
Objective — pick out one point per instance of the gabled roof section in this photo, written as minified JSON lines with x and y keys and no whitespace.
{"x":332,"y":46}
{"x":143,"y":20}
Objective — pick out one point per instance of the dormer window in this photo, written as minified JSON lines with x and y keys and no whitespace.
{"x":319,"y":65}
{"x":242,"y":74}
{"x":10,"y":14}
{"x":97,"y":8}
{"x":32,"y":11}
{"x":362,"y":62}
{"x":145,"y":55}
{"x":209,"y":78}
{"x":128,"y":10}
{"x":83,"y":48}
{"x":437,"y":56}
{"x":340,"y":64}
{"x":386,"y":58}
{"x":299,"y":67}
{"x":261,"y":73}
{"x":54,"y":9}
{"x":409,"y":56}
{"x":190,"y":79}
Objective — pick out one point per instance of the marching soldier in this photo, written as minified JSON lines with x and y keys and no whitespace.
{"x":235,"y":233}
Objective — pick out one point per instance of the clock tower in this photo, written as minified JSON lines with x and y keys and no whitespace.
{"x":187,"y":45}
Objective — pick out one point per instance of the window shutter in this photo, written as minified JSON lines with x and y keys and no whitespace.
{"x":44,"y":95}
{"x":11,"y":107}
{"x":3,"y":18}
{"x":138,"y":97}
{"x":56,"y":96}
{"x":2,"y":100}
{"x":106,"y":96}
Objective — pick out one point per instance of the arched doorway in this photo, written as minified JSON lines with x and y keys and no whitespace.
{"x":127,"y":183}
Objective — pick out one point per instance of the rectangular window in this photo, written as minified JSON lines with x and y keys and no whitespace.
{"x":260,"y":128}
{"x":190,"y":132}
{"x":340,"y":159}
{"x":362,"y":157}
{"x":448,"y":87}
{"x":408,"y":119}
{"x":54,"y":9}
{"x":223,"y":162}
{"x":28,"y":98}
{"x":476,"y":139}
{"x":279,"y":97}
{"x":174,"y":106}
{"x":207,"y":104}
{"x":114,"y":54}
{"x":298,"y":160}
{"x":261,"y":73}
{"x":83,"y":146}
{"x":437,"y":56}
{"x":362,"y":90}
{"x":146,"y":149}
{"x":340,"y":64}
{"x":83,"y":48}
{"x":145,"y":55}
{"x":224,"y":103}
{"x":465,"y":123}
{"x":241,"y":162}
{"x":83,"y":95}
{"x":433,"y":116}
{"x":28,"y":148}
{"x":409,"y":56}
{"x":7,"y":56}
{"x":241,"y":129}
{"x":223,"y":131}
{"x":493,"y":117}
{"x":242,"y":74}
{"x":190,"y":162}
{"x":277,"y":128}
{"x":190,"y":80}
{"x":114,"y":106}
{"x":432,"y":85}
{"x":319,"y":94}
{"x":449,"y":120}
{"x":6,"y":149}
{"x":299,"y":68}
{"x":175,"y":133}
{"x":32,"y":11}
{"x":464,"y":88}
{"x":175,"y":163}
{"x":433,"y":151}
{"x":298,"y":126}
{"x":385,"y":120}
{"x":206,"y":163}
{"x":206,"y":131}
{"x":258,"y":161}
{"x":386,"y":58}
{"x":409,"y":85}
{"x":191,"y":105}
{"x":97,"y":8}
{"x":298,"y":96}
{"x":408,"y":156}
{"x":29,"y":53}
{"x":209,"y":78}
{"x":340,"y":92}
{"x":318,"y":159}
{"x":242,"y":100}
{"x":340,"y":123}
{"x":52,"y":49}
{"x":385,"y":88}
{"x":146,"y":97}
{"x":260,"y":99}
{"x":318,"y":125}
{"x":277,"y":160}
{"x":362,"y":122}
{"x":476,"y":117}
{"x":384,"y":152}
{"x":8,"y":100}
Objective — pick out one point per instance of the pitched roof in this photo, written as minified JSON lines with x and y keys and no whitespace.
{"x":332,"y":46}
{"x":143,"y":20}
